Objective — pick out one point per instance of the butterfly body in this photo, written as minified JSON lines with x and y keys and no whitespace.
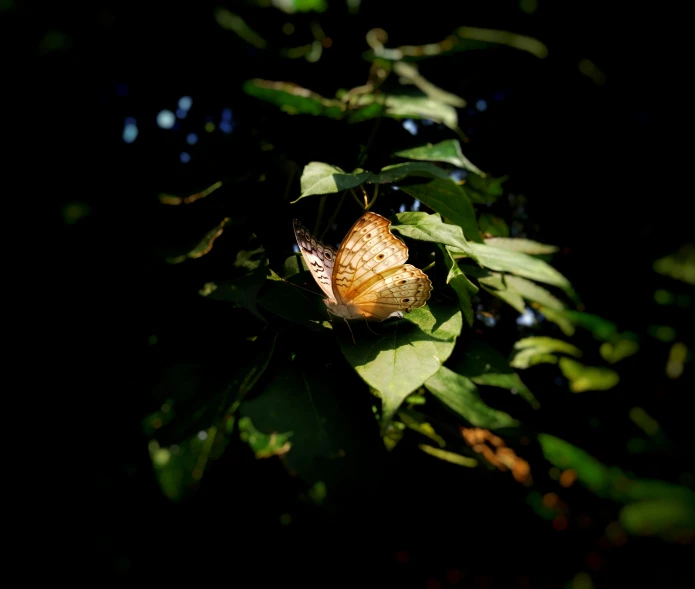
{"x":366,"y":278}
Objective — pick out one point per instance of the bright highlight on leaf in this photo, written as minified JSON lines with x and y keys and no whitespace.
{"x":587,"y":378}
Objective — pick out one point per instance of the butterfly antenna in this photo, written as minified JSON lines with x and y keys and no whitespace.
{"x":350,"y":329}
{"x":370,"y":329}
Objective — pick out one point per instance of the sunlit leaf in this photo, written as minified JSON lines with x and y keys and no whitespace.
{"x":519,"y":244}
{"x":532,"y":292}
{"x":484,"y":365}
{"x":520,"y":264}
{"x":426,"y":227}
{"x":233,"y":22}
{"x":558,"y":317}
{"x":404,"y":353}
{"x":448,"y":151}
{"x":449,"y":200}
{"x":170,"y":199}
{"x":449,"y":456}
{"x":601,"y":328}
{"x":397,"y":172}
{"x":321,"y":178}
{"x":496,"y":285}
{"x":204,"y":245}
{"x":535,"y":350}
{"x":604,"y":481}
{"x":418,"y":422}
{"x":667,"y":518}
{"x":514,"y":40}
{"x":460,"y":394}
{"x":264,"y":445}
{"x":587,"y":378}
{"x":294,"y":99}
{"x":679,"y":265}
{"x":613,"y":352}
{"x":420,"y":107}
{"x":492,"y":225}
{"x":462,"y":286}
{"x":514,"y":289}
{"x":409,"y":73}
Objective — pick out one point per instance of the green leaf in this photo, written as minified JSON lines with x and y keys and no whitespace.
{"x":448,"y":151}
{"x":321,"y":178}
{"x":404,"y":353}
{"x":559,"y":318}
{"x":520,"y":264}
{"x":604,"y":481}
{"x":483,"y":189}
{"x":203,"y":246}
{"x":613,"y":352}
{"x":496,"y":284}
{"x":180,"y":467}
{"x":170,"y":199}
{"x":518,"y":244}
{"x":463,"y":287}
{"x":535,"y":350}
{"x":588,"y":378}
{"x":601,"y":328}
{"x":448,"y":456}
{"x":264,"y":445}
{"x":448,"y":199}
{"x":401,"y":106}
{"x":409,"y":73}
{"x":679,"y":265}
{"x":294,"y":99}
{"x":298,"y":397}
{"x":667,"y":518}
{"x":242,"y":291}
{"x":460,"y":394}
{"x":493,"y":225}
{"x":249,"y":269}
{"x":418,"y":422}
{"x":426,"y":227}
{"x":532,"y":292}
{"x":397,"y":172}
{"x":484,"y":365}
{"x":285,"y":299}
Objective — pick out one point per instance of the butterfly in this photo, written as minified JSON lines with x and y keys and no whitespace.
{"x":366,"y":278}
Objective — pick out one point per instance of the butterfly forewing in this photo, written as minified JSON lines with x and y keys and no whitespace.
{"x":368,"y":249}
{"x":319,"y":257}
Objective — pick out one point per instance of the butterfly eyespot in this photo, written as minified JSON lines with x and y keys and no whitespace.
{"x":380,"y":257}
{"x":368,"y":236}
{"x":327,"y":255}
{"x":401,"y":282}
{"x":405,"y":300}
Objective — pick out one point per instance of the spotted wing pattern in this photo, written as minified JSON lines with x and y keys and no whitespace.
{"x":370,"y":276}
{"x":319,"y":257}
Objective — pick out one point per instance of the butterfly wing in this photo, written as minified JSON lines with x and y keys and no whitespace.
{"x":370,"y":274}
{"x":368,"y":249}
{"x":399,"y":289}
{"x":319,"y":257}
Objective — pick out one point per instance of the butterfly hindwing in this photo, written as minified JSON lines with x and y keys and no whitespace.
{"x":319,"y":257}
{"x":400,"y":289}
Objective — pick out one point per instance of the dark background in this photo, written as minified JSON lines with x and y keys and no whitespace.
{"x":603,"y":168}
